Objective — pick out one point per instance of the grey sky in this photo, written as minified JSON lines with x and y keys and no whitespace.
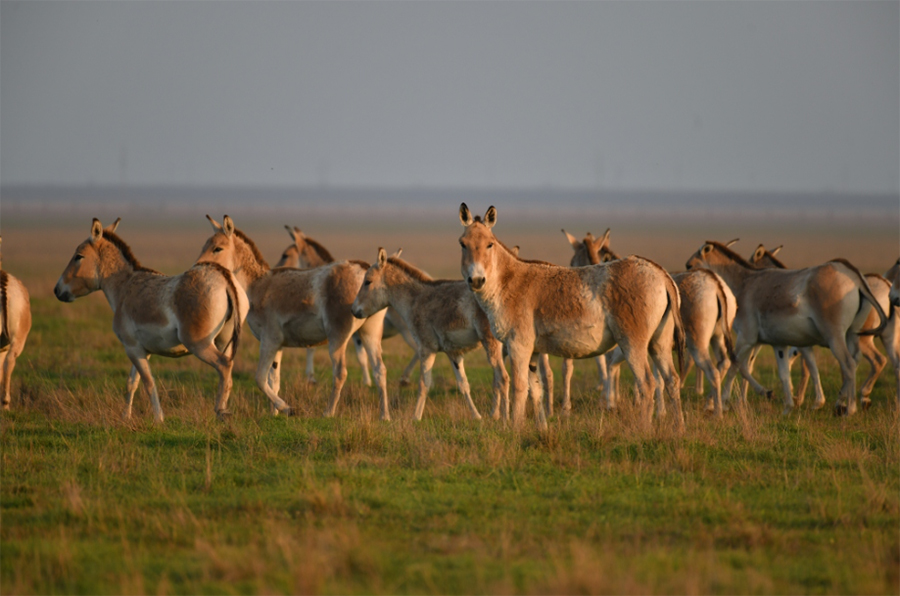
{"x":645,"y":95}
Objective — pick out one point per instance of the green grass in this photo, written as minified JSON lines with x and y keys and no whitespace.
{"x":754,"y":503}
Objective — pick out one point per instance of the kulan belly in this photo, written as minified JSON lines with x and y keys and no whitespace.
{"x":790,"y":331}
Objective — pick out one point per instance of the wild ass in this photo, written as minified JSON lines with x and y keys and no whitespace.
{"x":442,"y":315}
{"x":587,"y":252}
{"x":571,"y":312}
{"x":815,"y":306}
{"x":890,"y":335}
{"x":198,"y":312}
{"x":306,"y":253}
{"x":15,"y":323}
{"x":296,"y":308}
{"x":707,"y":311}
{"x":893,"y":276}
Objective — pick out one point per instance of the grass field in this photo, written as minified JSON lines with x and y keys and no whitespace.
{"x":755,"y":503}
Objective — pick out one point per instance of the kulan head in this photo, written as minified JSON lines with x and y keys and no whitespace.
{"x":372,"y":295}
{"x":83,"y":273}
{"x":479,"y":247}
{"x":219,"y":248}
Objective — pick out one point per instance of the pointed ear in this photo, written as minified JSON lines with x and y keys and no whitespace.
{"x":292,"y":233}
{"x":112,"y":227}
{"x":604,"y":240}
{"x":465,"y":216}
{"x":382,"y":258}
{"x":730,"y":242}
{"x":572,"y":240}
{"x":397,"y":254}
{"x":775,"y":250}
{"x":515,"y":250}
{"x":96,"y":231}
{"x":216,"y":226}
{"x":490,"y":217}
{"x":759,"y":253}
{"x":227,"y":226}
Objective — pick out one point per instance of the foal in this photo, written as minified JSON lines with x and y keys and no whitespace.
{"x":442,"y":315}
{"x":15,"y":323}
{"x":306,"y":253}
{"x":198,"y":312}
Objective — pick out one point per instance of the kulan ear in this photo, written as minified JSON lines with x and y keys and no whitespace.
{"x":96,"y":231}
{"x":465,"y":216}
{"x":775,"y":250}
{"x":490,"y":217}
{"x":397,"y":254}
{"x":604,"y":241}
{"x":291,"y":233}
{"x":730,"y":242}
{"x":515,"y":250}
{"x":759,"y":253}
{"x":572,"y":240}
{"x":111,"y":228}
{"x":228,"y":226}
{"x":216,"y":226}
{"x":382,"y":257}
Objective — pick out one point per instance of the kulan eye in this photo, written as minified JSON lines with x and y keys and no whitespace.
{"x":491,"y":245}
{"x":77,"y":258}
{"x":461,"y":244}
{"x":367,"y":283}
{"x":217,"y":249}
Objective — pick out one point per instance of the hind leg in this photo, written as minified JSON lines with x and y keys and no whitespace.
{"x":310,"y":367}
{"x":7,"y":363}
{"x":567,"y":369}
{"x":223,"y":365}
{"x":846,"y":402}
{"x":783,"y":360}
{"x":337,"y":350}
{"x":547,"y":381}
{"x":269,"y":363}
{"x":661,"y":354}
{"x":130,"y":389}
{"x":876,"y":360}
{"x":363,"y":359}
{"x":139,"y":360}
{"x":645,"y":384}
{"x":462,"y":382}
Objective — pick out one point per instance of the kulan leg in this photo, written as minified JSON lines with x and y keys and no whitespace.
{"x":371,"y":343}
{"x":269,"y":363}
{"x":567,"y":369}
{"x":494,"y":350}
{"x":462,"y":382}
{"x":134,"y":378}
{"x":536,"y":390}
{"x":310,"y":367}
{"x":140,"y":362}
{"x":783,"y":360}
{"x":363,"y":359}
{"x":6,"y":368}
{"x":426,"y":363}
{"x":877,"y":362}
{"x":547,"y":381}
{"x":337,"y":350}
{"x":223,"y":365}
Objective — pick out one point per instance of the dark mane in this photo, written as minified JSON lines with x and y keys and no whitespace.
{"x":775,"y":261}
{"x":252,"y":245}
{"x":320,"y":250}
{"x":126,"y":252}
{"x":520,"y":259}
{"x":733,"y":255}
{"x":416,"y":273}
{"x":362,"y":264}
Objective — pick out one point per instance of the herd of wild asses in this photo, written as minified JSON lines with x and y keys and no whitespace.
{"x":615,"y":309}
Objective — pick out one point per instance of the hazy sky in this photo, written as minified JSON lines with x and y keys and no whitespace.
{"x":644,"y":95}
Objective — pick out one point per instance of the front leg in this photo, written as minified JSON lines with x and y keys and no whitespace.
{"x":520,"y":357}
{"x":426,"y":361}
{"x":783,"y":360}
{"x":462,"y":382}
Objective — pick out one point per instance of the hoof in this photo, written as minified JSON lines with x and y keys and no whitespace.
{"x":866,"y":403}
{"x":770,"y":395}
{"x":405,"y":383}
{"x":223,"y":415}
{"x":818,"y":405}
{"x":840,"y":410}
{"x":310,"y":380}
{"x":787,"y":410}
{"x":287,"y":411}
{"x":5,"y":405}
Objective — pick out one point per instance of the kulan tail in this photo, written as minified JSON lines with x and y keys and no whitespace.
{"x":866,"y":292}
{"x":674,"y":306}
{"x":723,"y":310}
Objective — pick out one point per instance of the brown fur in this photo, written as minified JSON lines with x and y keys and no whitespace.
{"x":14,"y":328}
{"x":158,"y":314}
{"x":574,"y":313}
{"x":442,"y":316}
{"x":298,"y":308}
{"x":813,"y":306}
